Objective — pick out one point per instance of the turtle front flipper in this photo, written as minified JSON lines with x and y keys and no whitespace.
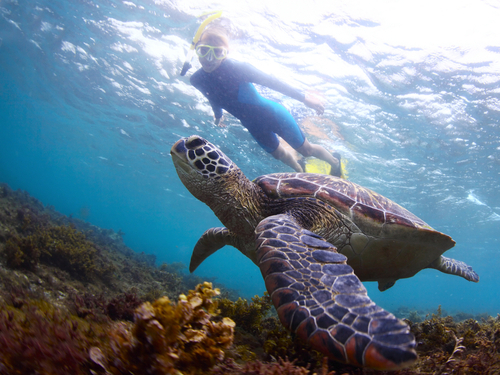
{"x":212,"y":240}
{"x":318,"y":296}
{"x":455,"y":267}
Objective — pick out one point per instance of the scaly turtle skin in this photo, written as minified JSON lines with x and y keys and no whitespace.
{"x":314,"y":237}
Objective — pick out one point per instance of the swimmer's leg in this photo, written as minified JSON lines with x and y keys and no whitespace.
{"x":286,"y":126}
{"x":262,"y":132}
{"x":286,"y":157}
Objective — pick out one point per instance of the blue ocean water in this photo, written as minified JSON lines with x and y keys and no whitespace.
{"x":91,"y":101}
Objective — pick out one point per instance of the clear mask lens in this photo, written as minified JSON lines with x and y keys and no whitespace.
{"x":218,"y":52}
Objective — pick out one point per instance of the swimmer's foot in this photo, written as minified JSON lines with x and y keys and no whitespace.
{"x":337,"y":172}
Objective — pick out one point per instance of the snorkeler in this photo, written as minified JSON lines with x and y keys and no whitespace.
{"x":227,"y":84}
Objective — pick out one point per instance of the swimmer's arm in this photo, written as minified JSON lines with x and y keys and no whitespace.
{"x":217,"y":114}
{"x":252,"y":74}
{"x":256,"y":76}
{"x":197,"y":83}
{"x":314,"y":103}
{"x":219,"y":122}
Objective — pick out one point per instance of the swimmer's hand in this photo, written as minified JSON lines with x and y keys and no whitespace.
{"x":218,"y":122}
{"x":314,"y":103}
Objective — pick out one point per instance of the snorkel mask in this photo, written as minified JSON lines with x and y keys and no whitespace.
{"x":207,"y":51}
{"x":189,"y":57}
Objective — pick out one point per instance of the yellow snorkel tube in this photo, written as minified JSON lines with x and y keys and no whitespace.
{"x":189,"y":57}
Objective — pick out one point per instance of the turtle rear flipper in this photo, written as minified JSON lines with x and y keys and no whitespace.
{"x":455,"y":267}
{"x":318,"y":296}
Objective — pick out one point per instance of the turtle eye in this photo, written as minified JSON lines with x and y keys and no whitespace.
{"x":195,"y":142}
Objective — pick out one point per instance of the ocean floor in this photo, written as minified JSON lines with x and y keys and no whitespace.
{"x":74,"y":299}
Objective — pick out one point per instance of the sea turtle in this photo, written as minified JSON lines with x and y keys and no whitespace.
{"x":314,"y":237}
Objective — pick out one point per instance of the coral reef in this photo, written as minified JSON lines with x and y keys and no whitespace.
{"x":260,"y":334}
{"x":41,"y":339}
{"x":248,"y":315}
{"x":61,"y":246}
{"x":59,"y":257}
{"x":282,"y":367}
{"x":167,"y":338}
{"x":119,"y":307}
{"x":467,"y":347}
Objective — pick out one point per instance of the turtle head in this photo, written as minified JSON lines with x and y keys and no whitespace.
{"x":201,"y":166}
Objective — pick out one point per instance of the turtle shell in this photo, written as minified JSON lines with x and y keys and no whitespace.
{"x":384,"y":240}
{"x":365,"y":207}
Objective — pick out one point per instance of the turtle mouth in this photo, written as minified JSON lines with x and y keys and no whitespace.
{"x":179,"y":154}
{"x":180,"y":162}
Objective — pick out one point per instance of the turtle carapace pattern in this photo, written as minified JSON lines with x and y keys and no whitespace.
{"x":315,"y":238}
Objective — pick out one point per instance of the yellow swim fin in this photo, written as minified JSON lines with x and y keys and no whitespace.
{"x":313,"y":165}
